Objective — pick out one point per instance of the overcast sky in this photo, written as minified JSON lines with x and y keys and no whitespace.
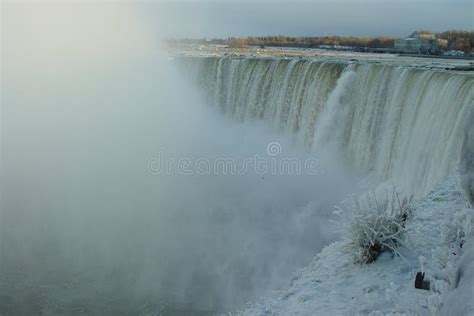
{"x":224,"y":18}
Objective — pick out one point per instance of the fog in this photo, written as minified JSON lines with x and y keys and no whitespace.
{"x":88,"y":101}
{"x":200,"y":18}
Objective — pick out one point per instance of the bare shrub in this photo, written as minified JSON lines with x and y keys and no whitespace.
{"x":375,"y":225}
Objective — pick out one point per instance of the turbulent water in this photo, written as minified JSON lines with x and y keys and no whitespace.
{"x":398,"y":123}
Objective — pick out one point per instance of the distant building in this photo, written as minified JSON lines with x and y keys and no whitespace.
{"x":442,"y":43}
{"x":425,"y":35}
{"x":416,"y":45}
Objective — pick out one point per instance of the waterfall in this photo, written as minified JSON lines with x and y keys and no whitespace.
{"x":399,"y":124}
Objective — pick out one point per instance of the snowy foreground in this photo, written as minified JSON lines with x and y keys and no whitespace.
{"x":333,"y":285}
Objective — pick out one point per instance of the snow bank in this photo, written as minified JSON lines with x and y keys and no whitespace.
{"x":467,"y":156}
{"x":333,"y":285}
{"x":460,"y":300}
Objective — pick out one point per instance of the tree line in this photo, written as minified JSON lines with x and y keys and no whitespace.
{"x":448,"y":40}
{"x":313,"y":42}
{"x":458,"y":40}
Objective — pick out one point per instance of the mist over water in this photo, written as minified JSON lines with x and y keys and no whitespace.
{"x":86,"y":227}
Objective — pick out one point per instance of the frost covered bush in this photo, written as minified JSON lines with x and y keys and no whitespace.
{"x":375,"y":225}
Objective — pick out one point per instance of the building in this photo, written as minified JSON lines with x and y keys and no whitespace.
{"x":442,"y":43}
{"x":424,"y":35}
{"x":416,"y":45}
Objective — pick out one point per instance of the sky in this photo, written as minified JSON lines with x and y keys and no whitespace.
{"x":241,"y":18}
{"x":227,"y":18}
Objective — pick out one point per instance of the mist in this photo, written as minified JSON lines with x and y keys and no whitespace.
{"x":89,"y":98}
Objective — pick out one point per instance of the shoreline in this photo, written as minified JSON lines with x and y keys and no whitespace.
{"x":465,"y":66}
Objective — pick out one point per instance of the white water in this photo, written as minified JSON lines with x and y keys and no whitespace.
{"x":399,"y":124}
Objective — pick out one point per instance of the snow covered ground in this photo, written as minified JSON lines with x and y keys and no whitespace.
{"x":460,"y":300}
{"x":333,"y":285}
{"x":320,"y":54}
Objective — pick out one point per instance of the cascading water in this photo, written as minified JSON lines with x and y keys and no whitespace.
{"x":399,"y":124}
